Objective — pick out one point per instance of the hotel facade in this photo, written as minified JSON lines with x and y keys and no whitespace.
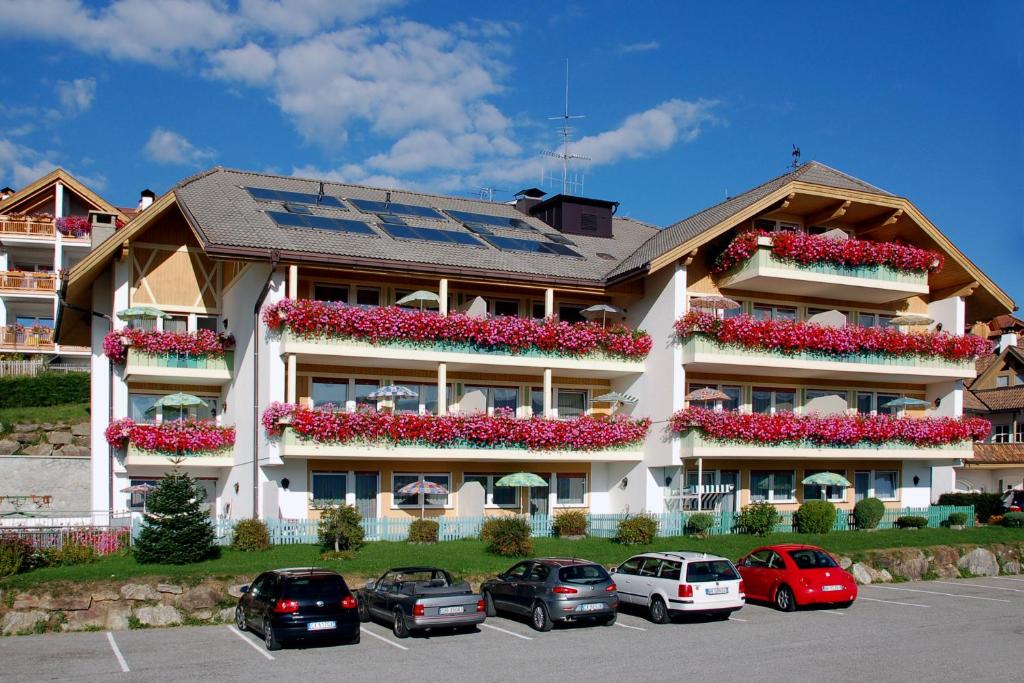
{"x":825,"y":316}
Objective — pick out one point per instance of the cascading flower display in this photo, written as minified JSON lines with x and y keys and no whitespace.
{"x":74,"y":226}
{"x":205,"y":343}
{"x":387,"y":324}
{"x":788,"y":336}
{"x":834,"y":431}
{"x":584,"y":433}
{"x":175,"y":437}
{"x":805,"y":249}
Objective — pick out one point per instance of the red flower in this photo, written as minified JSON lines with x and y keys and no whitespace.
{"x":176,"y":437}
{"x":204,"y":343}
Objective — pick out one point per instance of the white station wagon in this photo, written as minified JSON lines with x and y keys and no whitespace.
{"x":677,"y":582}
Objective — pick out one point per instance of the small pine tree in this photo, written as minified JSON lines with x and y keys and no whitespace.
{"x":177,"y":527}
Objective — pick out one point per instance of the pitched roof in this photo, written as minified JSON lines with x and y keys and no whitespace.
{"x":974,"y":404}
{"x":996,"y":453}
{"x":1004,"y":398}
{"x":231,"y":222}
{"x":70,"y":181}
{"x":679,"y":233}
{"x":1005,"y":323}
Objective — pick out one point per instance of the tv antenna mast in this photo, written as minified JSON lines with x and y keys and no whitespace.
{"x":796,"y":156}
{"x":575,"y":181}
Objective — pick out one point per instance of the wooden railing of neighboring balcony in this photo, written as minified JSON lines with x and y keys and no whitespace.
{"x":27,"y":226}
{"x":17,"y":337}
{"x":28,"y":282}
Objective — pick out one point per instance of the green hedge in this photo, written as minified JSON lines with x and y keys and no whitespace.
{"x":45,"y":389}
{"x":985,"y":504}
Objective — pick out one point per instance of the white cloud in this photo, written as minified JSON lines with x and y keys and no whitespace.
{"x":76,"y":96}
{"x":306,"y":17}
{"x":173,"y":149}
{"x":21,"y":165}
{"x":649,"y":131}
{"x":627,"y":48}
{"x":250,"y":64}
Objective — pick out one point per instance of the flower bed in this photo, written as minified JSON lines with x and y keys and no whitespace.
{"x":834,"y":431}
{"x":325,"y":425}
{"x":74,"y":226}
{"x":391,"y":324}
{"x":804,"y":249}
{"x":796,"y":337}
{"x":176,"y":437}
{"x":205,"y":343}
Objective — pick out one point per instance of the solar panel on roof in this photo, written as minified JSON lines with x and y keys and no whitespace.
{"x":560,"y":239}
{"x":486,"y":219}
{"x":291,"y":220}
{"x":371,"y":206}
{"x":390,"y":218}
{"x":264,"y":194}
{"x":478,"y":228}
{"x":560,"y":249}
{"x":530,"y":246}
{"x":407,"y":232}
{"x":292,"y":207}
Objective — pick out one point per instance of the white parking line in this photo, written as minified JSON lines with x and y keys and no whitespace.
{"x":379,"y":637}
{"x":892,"y":602}
{"x":511,"y":633}
{"x":828,"y":612}
{"x":949,"y":595}
{"x":117,"y":653}
{"x":980,"y":585}
{"x":737,"y":619}
{"x":1007,"y":578}
{"x":245,"y":639}
{"x":635,"y":628}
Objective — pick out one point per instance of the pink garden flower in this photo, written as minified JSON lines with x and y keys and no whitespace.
{"x":201,"y":343}
{"x":175,"y":437}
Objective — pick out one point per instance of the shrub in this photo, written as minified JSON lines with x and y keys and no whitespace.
{"x":177,"y":528}
{"x":45,"y":389}
{"x":700,"y":523}
{"x":985,"y":504}
{"x":423,"y":531}
{"x":957,"y":519}
{"x":14,"y":550}
{"x":507,"y":535}
{"x":341,"y":528}
{"x":911,"y":522}
{"x":868,"y":513}
{"x":815,"y":517}
{"x":1014,"y":520}
{"x":70,"y":554}
{"x":758,"y":519}
{"x":570,"y":523}
{"x":251,"y":535}
{"x":638,"y":530}
{"x":996,"y":520}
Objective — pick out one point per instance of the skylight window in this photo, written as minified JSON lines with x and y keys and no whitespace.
{"x":292,"y":220}
{"x":391,"y":208}
{"x":267,"y":195}
{"x":407,"y":232}
{"x":531,"y":246}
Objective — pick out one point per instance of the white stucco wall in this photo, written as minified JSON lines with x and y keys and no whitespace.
{"x":99,"y":399}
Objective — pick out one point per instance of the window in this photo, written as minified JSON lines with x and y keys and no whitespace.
{"x":772,"y":401}
{"x":631,"y":566}
{"x":207,"y":322}
{"x":813,"y":491}
{"x":537,"y":309}
{"x":537,"y":402}
{"x":329,"y":391}
{"x":425,"y":402}
{"x":671,"y":570}
{"x":1002,"y":381}
{"x":773,"y":312}
{"x":571,"y":313}
{"x":141,"y":408}
{"x":495,"y":496}
{"x":138,"y":500}
{"x":330,"y":487}
{"x":571,"y":489}
{"x":885,"y":485}
{"x":368,"y":296}
{"x":1000,"y":433}
{"x":571,"y":403}
{"x":874,"y":403}
{"x":414,"y":500}
{"x":880,"y":484}
{"x":732,"y":403}
{"x":873,"y":319}
{"x":811,"y":312}
{"x":176,"y":323}
{"x":365,"y":387}
{"x":141,"y":324}
{"x":505,"y":307}
{"x":1020,"y":378}
{"x":330,"y":293}
{"x":711,"y":570}
{"x":825,"y":401}
{"x":812,"y":559}
{"x":489,"y":399}
{"x":1019,"y":433}
{"x":774,"y":487}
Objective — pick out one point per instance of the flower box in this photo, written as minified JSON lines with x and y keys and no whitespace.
{"x":175,"y":438}
{"x":192,"y":346}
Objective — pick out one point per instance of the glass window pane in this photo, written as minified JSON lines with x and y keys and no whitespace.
{"x":176,"y":324}
{"x":759,"y":483}
{"x":506,"y":308}
{"x":364,"y":387}
{"x":885,"y":485}
{"x":762,"y":401}
{"x":883,"y":320}
{"x":207,"y":411}
{"x":734,"y":394}
{"x":571,"y":488}
{"x":140,"y":407}
{"x":506,"y":398}
{"x":368,"y":296}
{"x":505,"y":495}
{"x":570,"y":313}
{"x":784,"y":313}
{"x":412,"y":404}
{"x":400,"y":480}
{"x":329,"y":486}
{"x":538,"y":309}
{"x":762,"y":312}
{"x":782,"y":485}
{"x":571,"y":403}
{"x":785,"y":401}
{"x":331,"y":293}
{"x":867,"y":319}
{"x":865,"y":403}
{"x":537,"y":402}
{"x":861,"y":484}
{"x":207,"y":322}
{"x":333,"y":391}
{"x":428,"y":397}
{"x":439,"y":499}
{"x":882,"y":399}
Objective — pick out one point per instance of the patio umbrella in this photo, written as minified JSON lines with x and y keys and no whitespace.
{"x":141,"y":489}
{"x":616,"y":399}
{"x":715,"y":302}
{"x":906,"y":402}
{"x":137,"y":312}
{"x":911,"y":319}
{"x":602,"y":310}
{"x":423,"y":488}
{"x":420,"y":297}
{"x":824,"y":480}
{"x":392,"y":391}
{"x":524,"y":479}
{"x":706,"y":395}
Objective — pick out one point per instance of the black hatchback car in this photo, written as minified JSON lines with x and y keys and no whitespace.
{"x":300,"y":604}
{"x":554,"y":589}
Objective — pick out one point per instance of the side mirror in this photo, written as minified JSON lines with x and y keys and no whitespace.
{"x":370,"y":585}
{"x":745,"y":562}
{"x":613,"y":570}
{"x":243,"y":589}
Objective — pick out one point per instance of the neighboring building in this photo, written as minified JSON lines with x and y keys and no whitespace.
{"x":45,"y":229}
{"x":997,"y":394}
{"x":252,"y":255}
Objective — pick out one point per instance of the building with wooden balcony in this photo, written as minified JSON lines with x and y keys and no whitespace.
{"x":815,"y":297}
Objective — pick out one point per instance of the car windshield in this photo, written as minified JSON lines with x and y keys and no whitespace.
{"x":423,"y":577}
{"x":812,"y":559}
{"x":315,"y":588}
{"x":711,"y":570}
{"x":583,"y":573}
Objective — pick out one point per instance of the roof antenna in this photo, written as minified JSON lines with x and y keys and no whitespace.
{"x":320,"y":194}
{"x":576,"y":181}
{"x":387,"y":200}
{"x":796,"y":156}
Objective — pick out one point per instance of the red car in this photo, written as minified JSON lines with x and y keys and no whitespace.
{"x":791,"y":575}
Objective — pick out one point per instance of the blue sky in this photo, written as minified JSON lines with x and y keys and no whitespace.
{"x":684,"y":102}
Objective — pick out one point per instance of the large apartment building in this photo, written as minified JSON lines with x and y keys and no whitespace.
{"x":823,"y":317}
{"x":45,"y":229}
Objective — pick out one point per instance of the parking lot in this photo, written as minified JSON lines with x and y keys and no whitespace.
{"x":949,"y":630}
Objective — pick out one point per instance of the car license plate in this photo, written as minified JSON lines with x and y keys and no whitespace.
{"x":831,"y":588}
{"x":591,"y":607}
{"x":321,"y":625}
{"x":459,"y":609}
{"x":721,"y":590}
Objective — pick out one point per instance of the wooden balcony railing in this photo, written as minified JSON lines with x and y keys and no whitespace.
{"x":27,"y":226}
{"x":28,"y":282}
{"x":20,"y":338}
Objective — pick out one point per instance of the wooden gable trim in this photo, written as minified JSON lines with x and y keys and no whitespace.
{"x":999,"y":366}
{"x":59,"y":174}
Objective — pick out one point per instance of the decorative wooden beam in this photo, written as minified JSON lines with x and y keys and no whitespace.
{"x":830,"y":213}
{"x":784,"y":204}
{"x":874,"y":224}
{"x":688,"y":259}
{"x":964,"y":289}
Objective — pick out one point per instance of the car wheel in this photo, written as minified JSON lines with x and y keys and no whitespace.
{"x":269,"y":639}
{"x":398,"y":625}
{"x":240,"y":621}
{"x":364,"y":611}
{"x":844,"y":605}
{"x":658,"y":612}
{"x":609,"y":620}
{"x":489,"y":608}
{"x":354,"y":640}
{"x":784,"y":599}
{"x":540,"y":620}
{"x":721,"y":616}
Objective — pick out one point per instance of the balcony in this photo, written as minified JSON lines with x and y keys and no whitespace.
{"x":172,"y":368}
{"x":24,"y":285}
{"x":14,"y":228}
{"x":698,"y":446}
{"x":136,"y":457}
{"x":19,"y":339}
{"x":196,"y":443}
{"x":873,"y":284}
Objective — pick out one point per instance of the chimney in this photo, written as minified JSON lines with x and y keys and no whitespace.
{"x":104,"y":225}
{"x":1007,"y":340}
{"x":6,"y":192}
{"x":528,"y":198}
{"x":577,"y":215}
{"x":146,"y":198}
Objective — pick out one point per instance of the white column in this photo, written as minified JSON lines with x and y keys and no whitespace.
{"x":290,"y":380}
{"x":442,"y":386}
{"x":548,"y":404}
{"x":3,"y":304}
{"x":293,"y":282}
{"x":58,"y":200}
{"x":549,"y":302}
{"x":442,"y":294}
{"x":58,"y":249}
{"x":700,"y":481}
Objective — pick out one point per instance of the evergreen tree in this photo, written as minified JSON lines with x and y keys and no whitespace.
{"x":177,"y":527}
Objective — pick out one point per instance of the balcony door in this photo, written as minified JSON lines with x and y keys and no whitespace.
{"x":539,"y":497}
{"x":367,"y":486}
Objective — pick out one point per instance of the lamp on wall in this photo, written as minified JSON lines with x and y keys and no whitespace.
{"x":285,"y":483}
{"x":917,"y":480}
{"x":236,"y":487}
{"x":624,"y":483}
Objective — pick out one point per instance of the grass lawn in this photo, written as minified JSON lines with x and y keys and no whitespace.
{"x":469,"y":559}
{"x":67,"y":412}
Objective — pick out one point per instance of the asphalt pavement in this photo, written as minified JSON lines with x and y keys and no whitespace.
{"x":954,"y":630}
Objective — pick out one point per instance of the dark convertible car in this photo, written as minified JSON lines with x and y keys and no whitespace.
{"x":416,"y":598}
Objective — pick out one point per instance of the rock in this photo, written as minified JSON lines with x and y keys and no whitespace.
{"x":138,"y":591}
{"x":105,"y":596}
{"x":980,"y":562}
{"x":910,"y":563}
{"x":66,"y":603}
{"x":25,"y":601}
{"x":59,"y":438}
{"x":26,"y":427}
{"x":863,"y":574}
{"x":202,"y":614}
{"x":200,"y":597}
{"x":94,"y":617}
{"x":1011,"y":567}
{"x":169,"y":588}
{"x":16,"y":622}
{"x":47,"y":427}
{"x":73,"y":451}
{"x":226,"y":615}
{"x":943,"y":562}
{"x":81,"y":429}
{"x":9,"y":446}
{"x":24,"y":437}
{"x":236,"y":590}
{"x":39,"y":449}
{"x":117,"y":618}
{"x":884,"y":576}
{"x":1006,"y":553}
{"x":845,"y":562}
{"x":158,"y":615}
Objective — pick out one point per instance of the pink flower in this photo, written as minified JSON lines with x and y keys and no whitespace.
{"x":201,"y":343}
{"x":176,"y":437}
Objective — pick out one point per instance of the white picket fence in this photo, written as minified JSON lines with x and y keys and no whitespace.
{"x":31,"y":368}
